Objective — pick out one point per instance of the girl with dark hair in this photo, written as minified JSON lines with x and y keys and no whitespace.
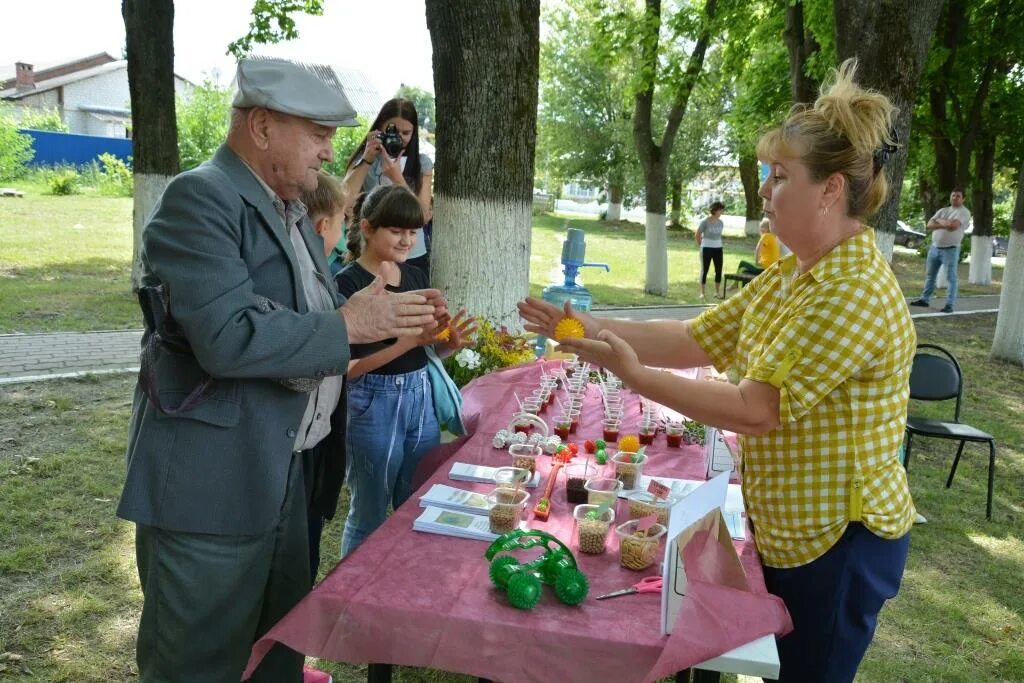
{"x":371,"y":166}
{"x":391,"y":415}
{"x":709,"y":239}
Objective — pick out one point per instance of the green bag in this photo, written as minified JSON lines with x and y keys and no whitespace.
{"x":447,"y":397}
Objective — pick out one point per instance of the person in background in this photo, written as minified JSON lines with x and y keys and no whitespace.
{"x":239,"y":306}
{"x":325,"y":207}
{"x":820,"y":348}
{"x":768,"y":250}
{"x":947,"y":226}
{"x":371,"y":165}
{"x":391,"y":417}
{"x":709,"y":239}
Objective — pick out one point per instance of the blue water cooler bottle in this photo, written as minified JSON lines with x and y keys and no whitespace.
{"x":573,"y":253}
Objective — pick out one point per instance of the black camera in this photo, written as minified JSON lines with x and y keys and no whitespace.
{"x":391,"y":141}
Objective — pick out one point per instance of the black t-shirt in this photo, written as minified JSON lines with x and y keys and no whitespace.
{"x":354,"y":277}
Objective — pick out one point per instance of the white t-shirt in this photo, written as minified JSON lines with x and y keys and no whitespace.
{"x":951,"y":238}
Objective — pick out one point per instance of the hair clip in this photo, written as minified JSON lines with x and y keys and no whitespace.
{"x":886,"y":150}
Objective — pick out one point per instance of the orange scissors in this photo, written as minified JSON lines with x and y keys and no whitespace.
{"x":650,"y":584}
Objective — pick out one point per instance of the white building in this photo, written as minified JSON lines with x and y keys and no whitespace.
{"x":90,"y":94}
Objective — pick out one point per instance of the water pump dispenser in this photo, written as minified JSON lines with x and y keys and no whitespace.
{"x":573,"y":258}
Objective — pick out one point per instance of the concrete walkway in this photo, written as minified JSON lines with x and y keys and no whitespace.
{"x":37,"y":357}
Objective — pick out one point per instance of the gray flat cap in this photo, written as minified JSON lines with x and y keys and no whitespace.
{"x":309,"y":91}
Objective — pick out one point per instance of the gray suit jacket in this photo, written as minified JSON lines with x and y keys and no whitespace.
{"x":221,"y":467}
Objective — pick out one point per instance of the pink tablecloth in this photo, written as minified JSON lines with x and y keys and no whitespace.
{"x":419,"y":599}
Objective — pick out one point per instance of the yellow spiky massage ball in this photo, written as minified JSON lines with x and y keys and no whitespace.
{"x":568,"y":327}
{"x":629,"y":443}
{"x":445,"y":334}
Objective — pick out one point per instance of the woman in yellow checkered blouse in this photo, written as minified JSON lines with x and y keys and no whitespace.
{"x":820,"y":346}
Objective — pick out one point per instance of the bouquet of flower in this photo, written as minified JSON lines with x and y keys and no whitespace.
{"x":494,"y":348}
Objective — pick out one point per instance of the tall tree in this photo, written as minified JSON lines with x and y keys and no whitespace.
{"x":584,"y":118}
{"x":754,"y":61}
{"x":1008,"y":343}
{"x":484,"y":180}
{"x":272,"y":22}
{"x":654,"y":154}
{"x":891,"y":40}
{"x":801,"y":45}
{"x":149,"y":34}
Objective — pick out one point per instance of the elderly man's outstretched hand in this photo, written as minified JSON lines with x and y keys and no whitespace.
{"x":373,"y":314}
{"x":541,"y":317}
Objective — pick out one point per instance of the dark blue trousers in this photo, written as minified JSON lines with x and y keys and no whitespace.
{"x":834,"y":602}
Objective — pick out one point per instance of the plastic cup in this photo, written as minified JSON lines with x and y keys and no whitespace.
{"x":628,"y":468}
{"x":507,"y":508}
{"x":576,"y":476}
{"x":532,"y":406}
{"x":610,"y":429}
{"x":524,"y":456}
{"x":574,"y":418}
{"x":603,"y":490}
{"x":638,"y":550}
{"x":592,"y":531}
{"x":674,"y":434}
{"x":643,"y":503}
{"x":647,"y":432}
{"x":511,"y":477}
{"x":563,"y":425}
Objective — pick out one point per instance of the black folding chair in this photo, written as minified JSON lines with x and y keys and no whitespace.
{"x":937,"y":377}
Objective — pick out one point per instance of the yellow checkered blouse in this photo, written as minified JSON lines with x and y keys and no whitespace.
{"x":837,"y":341}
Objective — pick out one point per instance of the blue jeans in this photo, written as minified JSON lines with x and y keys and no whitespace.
{"x":950,"y":258}
{"x":391,"y":425}
{"x":834,"y":602}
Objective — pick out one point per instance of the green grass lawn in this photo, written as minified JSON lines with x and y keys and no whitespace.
{"x":69,"y":596}
{"x":65,"y":263}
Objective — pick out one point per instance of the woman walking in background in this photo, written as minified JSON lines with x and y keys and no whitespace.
{"x":709,"y":239}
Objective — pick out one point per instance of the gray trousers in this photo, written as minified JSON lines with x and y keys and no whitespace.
{"x":208,"y":598}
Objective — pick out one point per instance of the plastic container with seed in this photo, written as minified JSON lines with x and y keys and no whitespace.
{"x":638,"y":550}
{"x":507,"y":508}
{"x":576,"y":477}
{"x":603,"y":491}
{"x":511,"y":477}
{"x":592,"y":524}
{"x":628,"y":468}
{"x":643,"y":503}
{"x":524,"y":456}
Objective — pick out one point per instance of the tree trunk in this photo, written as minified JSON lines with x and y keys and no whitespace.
{"x":676,"y":198}
{"x":751,"y":182}
{"x":654,"y":157}
{"x":891,"y":42}
{"x":1008,"y":343}
{"x":981,"y":238}
{"x":149,"y":41}
{"x":801,"y":45}
{"x":614,"y":201}
{"x":484,"y":182}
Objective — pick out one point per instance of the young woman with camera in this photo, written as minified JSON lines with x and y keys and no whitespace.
{"x":390,"y":155}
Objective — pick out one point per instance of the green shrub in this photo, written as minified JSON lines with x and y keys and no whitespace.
{"x":46,"y":119}
{"x":115,"y":179}
{"x":15,"y":148}
{"x":64,"y":181}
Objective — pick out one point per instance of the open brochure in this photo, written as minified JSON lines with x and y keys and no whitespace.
{"x":482,"y":474}
{"x":451,"y":498}
{"x":451,"y":523}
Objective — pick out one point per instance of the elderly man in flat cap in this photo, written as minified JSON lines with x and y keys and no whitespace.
{"x":246,"y":342}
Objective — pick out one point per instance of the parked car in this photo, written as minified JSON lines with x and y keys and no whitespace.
{"x":1000,"y":245}
{"x":907,"y":236}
